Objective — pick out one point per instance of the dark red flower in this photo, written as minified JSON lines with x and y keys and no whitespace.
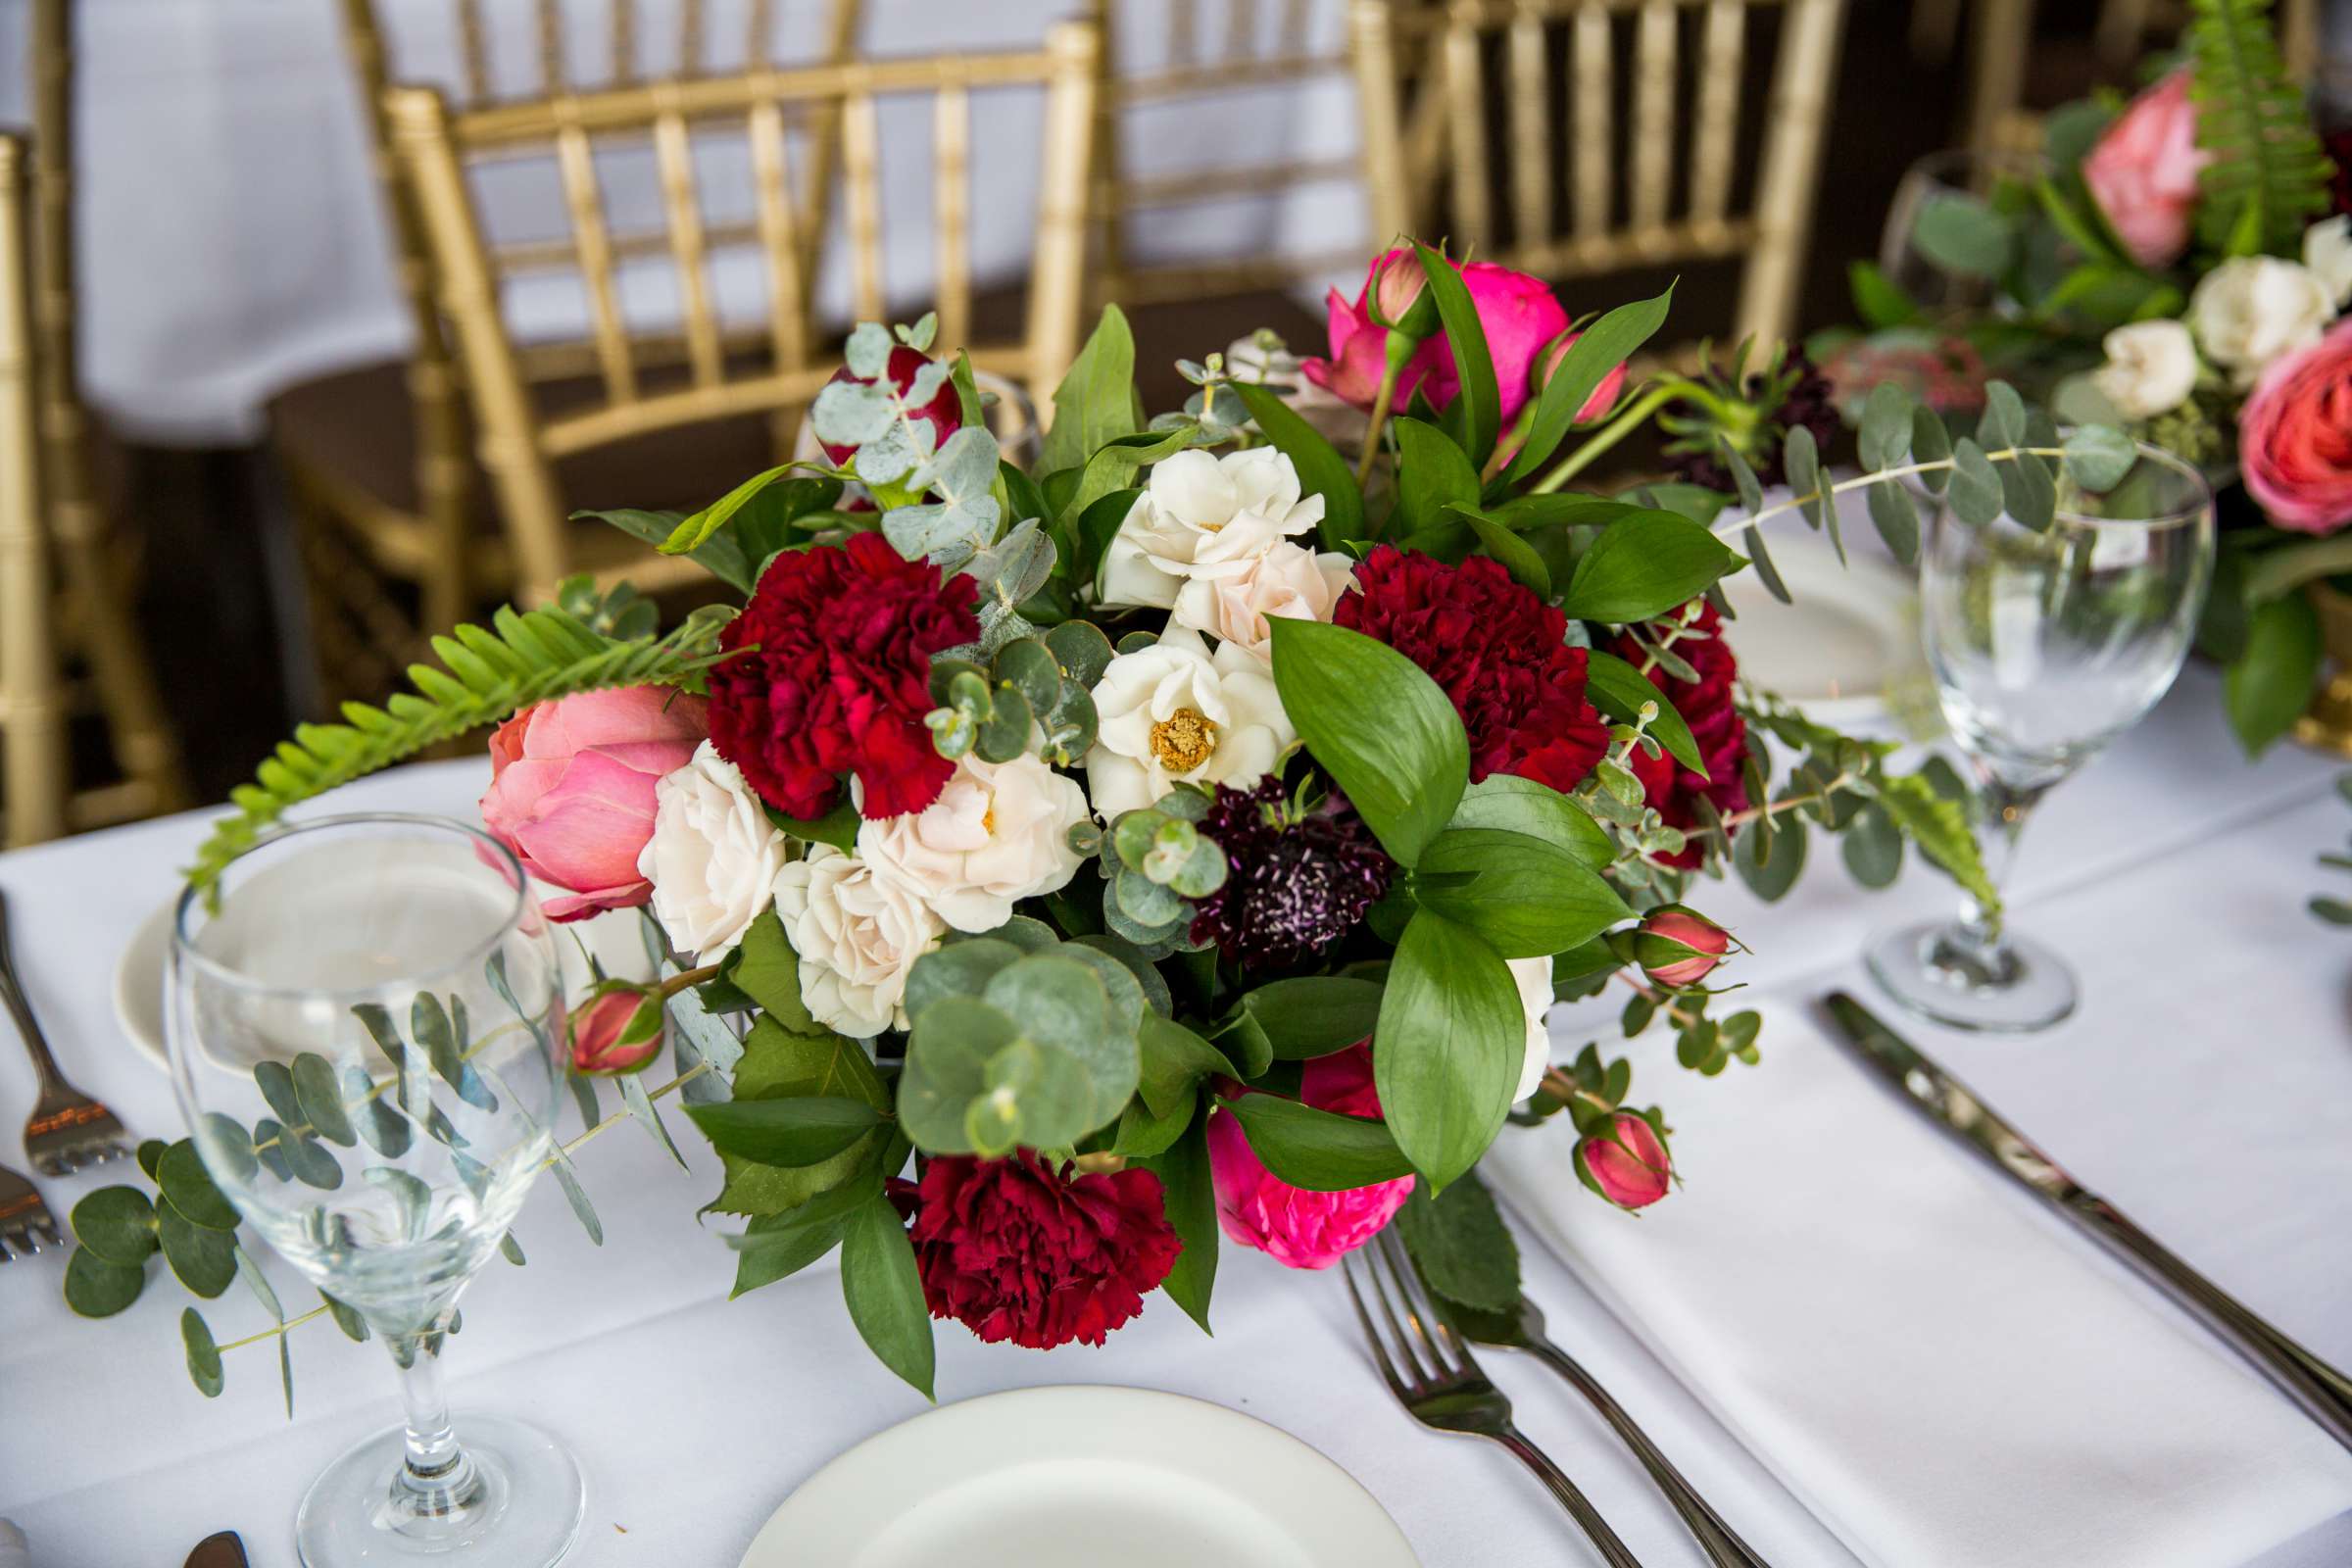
{"x":1715,"y":724}
{"x":945,"y":411}
{"x":2338,"y":142}
{"x":1293,"y":887}
{"x":841,"y":677}
{"x":1498,"y":652}
{"x":1013,"y":1250}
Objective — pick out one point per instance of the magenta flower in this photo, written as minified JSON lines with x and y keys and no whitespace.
{"x":1296,"y":1226}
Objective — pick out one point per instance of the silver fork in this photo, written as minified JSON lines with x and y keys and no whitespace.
{"x":24,"y":1220}
{"x":67,"y":1129}
{"x":1437,"y":1381}
{"x":1524,"y":1331}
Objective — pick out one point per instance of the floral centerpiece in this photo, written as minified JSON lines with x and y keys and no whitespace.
{"x":2181,"y":271}
{"x":1055,"y":875}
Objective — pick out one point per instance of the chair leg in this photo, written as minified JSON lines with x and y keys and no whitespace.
{"x":144,"y":744}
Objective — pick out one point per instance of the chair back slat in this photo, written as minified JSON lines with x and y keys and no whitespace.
{"x":554,"y":75}
{"x":952,"y":211}
{"x":591,"y":251}
{"x":1530,"y":177}
{"x":473,"y":47}
{"x":1596,"y":124}
{"x":625,"y":41}
{"x":1721,"y":63}
{"x":1654,"y":100}
{"x":861,"y":166}
{"x":780,"y":243}
{"x":675,"y":154}
{"x":1466,"y":130}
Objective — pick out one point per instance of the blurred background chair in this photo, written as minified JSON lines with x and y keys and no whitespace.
{"x":33,"y":708}
{"x":668,"y":416}
{"x":1540,"y":118}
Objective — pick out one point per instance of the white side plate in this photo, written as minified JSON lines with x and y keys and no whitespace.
{"x":1849,"y":638}
{"x":1077,"y":1476}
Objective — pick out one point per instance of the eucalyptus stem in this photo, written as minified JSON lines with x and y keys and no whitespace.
{"x":321,"y":1310}
{"x":1627,"y":420}
{"x":1775,"y":808}
{"x":564,"y":1151}
{"x":377,"y":1089}
{"x":1793,"y":503}
{"x":1659,"y":997}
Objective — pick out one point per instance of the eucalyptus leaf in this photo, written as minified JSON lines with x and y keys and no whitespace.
{"x":96,"y":1287}
{"x":203,"y":1260}
{"x":118,"y":1223}
{"x":2098,"y":456}
{"x":188,"y":1187}
{"x":204,"y":1356}
{"x":1975,"y":496}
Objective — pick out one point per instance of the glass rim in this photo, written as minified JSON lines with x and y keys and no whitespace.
{"x":2000,"y":160}
{"x":2161,"y":522}
{"x":185,"y":952}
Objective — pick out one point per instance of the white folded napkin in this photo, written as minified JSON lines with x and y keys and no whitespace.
{"x":13,"y":1551}
{"x":1942,"y":1379}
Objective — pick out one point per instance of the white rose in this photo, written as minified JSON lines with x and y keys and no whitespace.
{"x":1192,"y":497}
{"x":2251,"y":308}
{"x":1231,"y":598}
{"x":1170,"y":713}
{"x":2151,"y":367}
{"x":1534,"y":978}
{"x":1000,"y":831}
{"x":2327,"y":252}
{"x":712,"y":857}
{"x":857,"y":934}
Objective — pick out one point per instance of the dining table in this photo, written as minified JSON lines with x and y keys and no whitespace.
{"x":2205,"y":1086}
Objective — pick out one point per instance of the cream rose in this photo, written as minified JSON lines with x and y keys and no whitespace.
{"x":2151,"y":369}
{"x":1533,"y":976}
{"x":2327,"y":252}
{"x":1171,"y":713}
{"x":1191,"y":499}
{"x":1229,"y":596}
{"x":713,"y":857}
{"x":2252,"y":308}
{"x":857,"y":935}
{"x":999,"y":832}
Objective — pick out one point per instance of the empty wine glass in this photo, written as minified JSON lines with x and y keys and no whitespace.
{"x":1921,"y":249}
{"x":363,"y":1027}
{"x":2045,"y":645}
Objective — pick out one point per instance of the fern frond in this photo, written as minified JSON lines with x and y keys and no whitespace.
{"x":525,"y":657}
{"x":2268,"y":175}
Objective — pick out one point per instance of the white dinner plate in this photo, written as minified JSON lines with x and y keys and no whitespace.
{"x":1849,"y":638}
{"x":1078,"y":1477}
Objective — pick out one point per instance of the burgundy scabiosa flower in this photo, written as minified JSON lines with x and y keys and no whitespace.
{"x":1497,"y":651}
{"x":1296,"y":882}
{"x":1014,"y":1249}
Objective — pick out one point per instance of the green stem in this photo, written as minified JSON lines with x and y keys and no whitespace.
{"x":319,"y":1310}
{"x":1381,"y":400}
{"x":1628,"y":419}
{"x":2006,"y":455}
{"x":564,"y":1151}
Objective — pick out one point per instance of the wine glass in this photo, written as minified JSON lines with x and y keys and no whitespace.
{"x":364,"y":1027}
{"x":1922,"y":268}
{"x":2045,"y":645}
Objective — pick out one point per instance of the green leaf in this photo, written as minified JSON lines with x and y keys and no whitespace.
{"x":204,"y":1356}
{"x":1872,"y":848}
{"x":1931,"y":442}
{"x":1452,"y":1037}
{"x":1801,"y":459}
{"x":353,"y":1326}
{"x":1528,"y":896}
{"x":1460,"y":1245}
{"x":775,"y":1247}
{"x":117,"y":1224}
{"x":1322,"y":472}
{"x":1432,"y":476}
{"x":577,"y":1197}
{"x":1940,"y":826}
{"x":1879,"y":300}
{"x":1598,"y":349}
{"x":1897,"y":520}
{"x":769,"y":971}
{"x":1315,"y":1015}
{"x":95,"y":1288}
{"x":1515,"y":805}
{"x":1480,"y":410}
{"x":1619,"y":690}
{"x":438,"y":1030}
{"x":1769,"y":862}
{"x":2267,"y":174}
{"x":1515,"y":554}
{"x":1096,"y":401}
{"x":800,"y":1131}
{"x":1961,"y":233}
{"x":2098,"y":456}
{"x":1107,"y":471}
{"x":696,"y":529}
{"x":776,"y":1064}
{"x":1379,"y":727}
{"x":1645,"y":565}
{"x":203,"y":1260}
{"x":1093,"y":530}
{"x":884,"y":1292}
{"x":837,"y":827}
{"x":2269,"y":685}
{"x":1191,"y":1204}
{"x":1174,"y":1061}
{"x":1320,"y":1151}
{"x":1976,"y":495}
{"x":188,"y":1187}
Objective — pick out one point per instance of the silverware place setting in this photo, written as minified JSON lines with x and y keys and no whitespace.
{"x":67,"y":1129}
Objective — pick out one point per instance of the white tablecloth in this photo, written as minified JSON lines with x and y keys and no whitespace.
{"x":233,"y":242}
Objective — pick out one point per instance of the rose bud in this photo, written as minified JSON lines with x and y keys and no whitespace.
{"x":1626,"y":1162}
{"x":1399,"y":298}
{"x":945,"y":411}
{"x":1678,"y":947}
{"x":1604,"y":396}
{"x":617,"y":1029}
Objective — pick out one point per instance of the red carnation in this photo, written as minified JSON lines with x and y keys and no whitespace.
{"x":1498,"y":652}
{"x":841,"y":677}
{"x":1015,"y":1252}
{"x":1705,"y":705}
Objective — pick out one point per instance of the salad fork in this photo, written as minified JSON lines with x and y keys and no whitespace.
{"x":1437,"y":1381}
{"x":67,"y":1129}
{"x":24,"y":1220}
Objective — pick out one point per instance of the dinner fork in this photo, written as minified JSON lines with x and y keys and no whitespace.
{"x":1523,"y":1329}
{"x":24,"y":1220}
{"x":67,"y":1129}
{"x":1437,"y":1381}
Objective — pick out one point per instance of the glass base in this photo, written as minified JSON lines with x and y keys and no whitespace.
{"x":1940,"y":972}
{"x":525,"y":1511}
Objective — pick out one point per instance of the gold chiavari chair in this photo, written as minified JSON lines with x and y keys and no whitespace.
{"x":33,"y":708}
{"x":534,"y":449}
{"x":396,"y":521}
{"x":1640,"y":209}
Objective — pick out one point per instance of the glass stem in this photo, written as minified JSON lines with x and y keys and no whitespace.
{"x":437,"y":1478}
{"x":2005,"y":807}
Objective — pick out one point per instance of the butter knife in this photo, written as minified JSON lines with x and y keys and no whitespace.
{"x":224,"y":1550}
{"x":2321,"y":1391}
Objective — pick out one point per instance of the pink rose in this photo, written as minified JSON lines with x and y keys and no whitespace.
{"x":600,"y":1032}
{"x":1604,"y":396}
{"x":1628,"y":1162}
{"x":1297,"y":1228}
{"x":2294,"y":438}
{"x":572,"y":789}
{"x":1678,"y":947}
{"x":1518,"y":312}
{"x":2144,"y":172}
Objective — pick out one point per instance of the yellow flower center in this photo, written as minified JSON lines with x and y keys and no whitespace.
{"x":1184,"y":740}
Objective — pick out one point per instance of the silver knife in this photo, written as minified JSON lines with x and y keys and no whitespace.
{"x":224,"y":1550}
{"x":2321,"y":1392}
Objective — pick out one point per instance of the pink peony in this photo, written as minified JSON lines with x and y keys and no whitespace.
{"x":2144,"y":172}
{"x":2294,"y":438}
{"x":1521,"y":319}
{"x":572,"y":789}
{"x":1297,"y":1228}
